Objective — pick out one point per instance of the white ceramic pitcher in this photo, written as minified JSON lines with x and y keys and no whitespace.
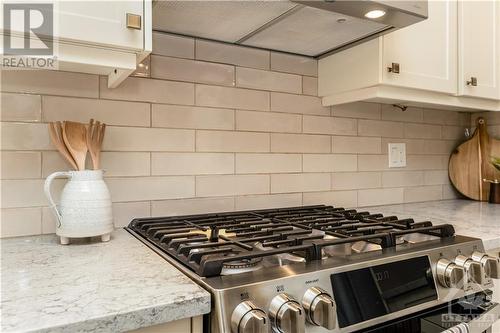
{"x":85,"y":208}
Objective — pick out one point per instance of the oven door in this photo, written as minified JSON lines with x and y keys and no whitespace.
{"x":476,"y":314}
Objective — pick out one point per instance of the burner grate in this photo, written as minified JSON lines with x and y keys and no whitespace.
{"x":209,"y":243}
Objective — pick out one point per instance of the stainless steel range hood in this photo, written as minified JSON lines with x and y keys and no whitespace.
{"x":311,"y":28}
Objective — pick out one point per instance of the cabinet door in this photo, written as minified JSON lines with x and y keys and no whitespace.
{"x":426,"y":51}
{"x":99,"y":23}
{"x":479,"y":48}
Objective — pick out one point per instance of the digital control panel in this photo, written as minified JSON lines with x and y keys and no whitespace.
{"x":379,"y":290}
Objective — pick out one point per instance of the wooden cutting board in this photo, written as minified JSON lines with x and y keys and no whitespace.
{"x":470,"y":163}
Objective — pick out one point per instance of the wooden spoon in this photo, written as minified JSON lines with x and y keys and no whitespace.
{"x":56,"y":136}
{"x":74,"y":135}
{"x":95,"y":135}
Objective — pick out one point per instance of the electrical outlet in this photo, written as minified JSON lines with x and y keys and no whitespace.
{"x":397,"y":155}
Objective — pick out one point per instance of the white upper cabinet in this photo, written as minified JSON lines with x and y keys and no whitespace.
{"x":425,"y":52}
{"x":101,"y":23}
{"x":449,"y":61}
{"x":479,"y":48}
{"x":98,"y":37}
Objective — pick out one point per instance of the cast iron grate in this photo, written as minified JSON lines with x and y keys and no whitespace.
{"x":205,"y":242}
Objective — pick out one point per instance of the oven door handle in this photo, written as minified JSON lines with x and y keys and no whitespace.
{"x":482,"y":323}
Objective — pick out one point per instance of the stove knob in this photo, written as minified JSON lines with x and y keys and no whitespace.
{"x":287,"y":316}
{"x":449,"y":274}
{"x":474,"y":270}
{"x":320,"y":308}
{"x":248,"y":318}
{"x":491,"y":264}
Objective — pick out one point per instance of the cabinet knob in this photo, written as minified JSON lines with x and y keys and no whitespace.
{"x":472,"y":81}
{"x":394,"y":68}
{"x":134,"y":21}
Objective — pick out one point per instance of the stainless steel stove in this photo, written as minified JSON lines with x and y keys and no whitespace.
{"x":328,"y":269}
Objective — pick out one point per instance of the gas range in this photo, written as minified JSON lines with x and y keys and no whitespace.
{"x":323,"y":268}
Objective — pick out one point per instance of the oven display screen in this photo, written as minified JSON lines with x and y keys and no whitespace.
{"x":376,"y":291}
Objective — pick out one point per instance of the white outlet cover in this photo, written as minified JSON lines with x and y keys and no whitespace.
{"x":397,"y":155}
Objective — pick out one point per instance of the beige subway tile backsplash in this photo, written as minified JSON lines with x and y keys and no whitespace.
{"x":268,"y":121}
{"x":225,"y":97}
{"x":423,"y":193}
{"x":20,"y":164}
{"x":388,"y":129}
{"x":347,"y":199}
{"x":411,"y":114}
{"x":291,"y":103}
{"x":268,"y":163}
{"x":25,"y":136}
{"x":299,"y":143}
{"x":402,"y":178}
{"x":125,"y":212}
{"x":330,"y":125}
{"x":310,"y":85}
{"x":329,"y":162}
{"x":225,"y":141}
{"x":355,"y":180}
{"x":192,"y":163}
{"x":232,"y":54}
{"x":360,"y":110}
{"x":50,"y":83}
{"x":436,"y":177}
{"x":20,"y":107}
{"x":385,"y":196}
{"x":173,"y":46}
{"x":288,"y":63}
{"x":225,"y":185}
{"x":268,"y":201}
{"x":300,"y":182}
{"x":373,"y":162}
{"x":192,"y":206}
{"x":181,"y":116}
{"x":17,"y":193}
{"x":120,"y":113}
{"x":356,"y":144}
{"x":150,"y":188}
{"x":21,"y":222}
{"x":150,"y":90}
{"x":219,"y":127}
{"x":266,"y":80}
{"x":148,"y":139}
{"x":176,"y":69}
{"x":454,"y":133}
{"x":446,"y":117}
{"x":422,"y":131}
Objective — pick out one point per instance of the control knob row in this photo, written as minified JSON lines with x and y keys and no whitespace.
{"x":475,"y":268}
{"x":286,"y":314}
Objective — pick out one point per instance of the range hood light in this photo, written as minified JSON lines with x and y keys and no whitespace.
{"x":373,"y":14}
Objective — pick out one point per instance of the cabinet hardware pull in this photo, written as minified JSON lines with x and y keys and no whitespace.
{"x":472,"y":82}
{"x":394,"y":68}
{"x":134,"y":21}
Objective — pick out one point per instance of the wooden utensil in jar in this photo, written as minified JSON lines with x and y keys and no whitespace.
{"x":95,"y":136}
{"x":55,"y":132}
{"x":75,"y":138}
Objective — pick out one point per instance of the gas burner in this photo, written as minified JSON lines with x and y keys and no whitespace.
{"x":241,"y":266}
{"x":237,"y":242}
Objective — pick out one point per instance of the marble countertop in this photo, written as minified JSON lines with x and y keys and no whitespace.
{"x":470,"y":218}
{"x":93,"y":287}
